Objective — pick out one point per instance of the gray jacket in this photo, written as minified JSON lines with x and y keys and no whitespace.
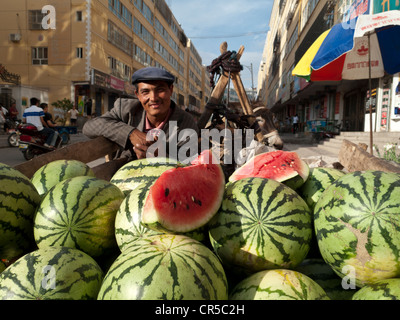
{"x":127,"y":115}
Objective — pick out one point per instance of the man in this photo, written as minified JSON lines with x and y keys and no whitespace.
{"x":129,"y":122}
{"x":295,"y":123}
{"x":35,"y":115}
{"x":74,"y":115}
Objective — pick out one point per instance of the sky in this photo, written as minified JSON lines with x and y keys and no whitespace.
{"x":208,"y":23}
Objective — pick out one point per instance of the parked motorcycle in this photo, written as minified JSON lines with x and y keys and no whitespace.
{"x":31,"y":141}
{"x":13,"y":134}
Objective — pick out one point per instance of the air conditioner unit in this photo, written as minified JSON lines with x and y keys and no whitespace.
{"x":15,"y":37}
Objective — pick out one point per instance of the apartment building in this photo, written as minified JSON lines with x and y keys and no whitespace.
{"x":294,"y":26}
{"x":89,"y":49}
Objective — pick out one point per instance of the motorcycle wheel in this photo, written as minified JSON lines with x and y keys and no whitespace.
{"x":29,"y":154}
{"x":13,"y":140}
{"x":65,"y":137}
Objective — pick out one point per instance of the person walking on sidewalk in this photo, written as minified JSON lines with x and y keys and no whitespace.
{"x":35,"y":115}
{"x":295,"y":123}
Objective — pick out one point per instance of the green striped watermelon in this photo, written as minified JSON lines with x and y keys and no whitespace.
{"x":318,"y":180}
{"x":19,"y":200}
{"x":323,"y":274}
{"x":128,"y":221}
{"x":54,"y":172}
{"x":165,"y":267}
{"x":357,"y":223}
{"x":79,"y":213}
{"x":278,"y":284}
{"x":262,"y":224}
{"x":388,"y":289}
{"x":52,"y":274}
{"x":137,"y":172}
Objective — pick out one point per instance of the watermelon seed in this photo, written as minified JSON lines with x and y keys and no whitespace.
{"x":187,"y":207}
{"x":174,"y":205}
{"x":166,"y":192}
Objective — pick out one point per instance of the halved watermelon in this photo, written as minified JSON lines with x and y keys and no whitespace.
{"x":282,"y":166}
{"x":185,"y":198}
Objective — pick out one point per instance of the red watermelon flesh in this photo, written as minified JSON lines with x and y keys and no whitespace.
{"x":184,"y":198}
{"x":277,"y":165}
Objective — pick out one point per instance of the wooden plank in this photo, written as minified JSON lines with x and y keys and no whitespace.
{"x":85,"y":151}
{"x":356,"y":158}
{"x":106,"y":170}
{"x":217,"y":93}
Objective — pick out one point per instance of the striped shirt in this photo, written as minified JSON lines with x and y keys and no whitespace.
{"x":32,"y":115}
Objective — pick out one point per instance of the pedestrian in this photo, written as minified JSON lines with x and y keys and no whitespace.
{"x":35,"y":115}
{"x":295,"y":123}
{"x":73,"y":115}
{"x":128,"y":123}
{"x":13,"y":111}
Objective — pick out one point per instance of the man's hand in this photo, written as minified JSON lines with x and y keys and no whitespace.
{"x":140,"y":144}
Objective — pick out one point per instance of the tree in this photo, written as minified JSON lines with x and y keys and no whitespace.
{"x":64,"y":105}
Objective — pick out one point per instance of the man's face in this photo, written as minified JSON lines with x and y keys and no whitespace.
{"x":155,"y":97}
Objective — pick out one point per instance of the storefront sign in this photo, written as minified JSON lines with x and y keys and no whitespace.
{"x":357,"y":8}
{"x":386,"y":5}
{"x":107,"y":81}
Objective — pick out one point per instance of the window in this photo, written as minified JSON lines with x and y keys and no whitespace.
{"x":39,"y":55}
{"x":35,"y":19}
{"x":79,"y":16}
{"x":79,"y":53}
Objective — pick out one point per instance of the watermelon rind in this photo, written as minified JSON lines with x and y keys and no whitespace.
{"x":56,"y":171}
{"x":19,"y":200}
{"x":165,"y":267}
{"x":262,"y":224}
{"x":388,"y":289}
{"x":135,"y":173}
{"x":79,"y":213}
{"x":278,"y":284}
{"x":282,"y":166}
{"x":52,"y":274}
{"x":357,"y":221}
{"x":184,"y":199}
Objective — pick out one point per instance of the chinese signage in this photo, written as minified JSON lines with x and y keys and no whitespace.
{"x":357,"y":8}
{"x":386,"y":5}
{"x":109,"y":82}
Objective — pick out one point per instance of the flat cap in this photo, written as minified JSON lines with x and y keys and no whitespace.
{"x":152,"y":74}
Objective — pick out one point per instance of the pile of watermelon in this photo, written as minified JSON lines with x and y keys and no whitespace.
{"x":275,"y":229}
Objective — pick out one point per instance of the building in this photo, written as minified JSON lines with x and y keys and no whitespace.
{"x":89,"y":49}
{"x":294,"y":26}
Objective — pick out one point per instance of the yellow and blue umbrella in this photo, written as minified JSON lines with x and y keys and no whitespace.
{"x":364,"y":47}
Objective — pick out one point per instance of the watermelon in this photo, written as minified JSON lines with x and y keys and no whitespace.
{"x":137,"y":172}
{"x":278,"y":284}
{"x":262,"y":224}
{"x":323,"y":274}
{"x":79,"y":213}
{"x":388,"y":289}
{"x":128,"y":221}
{"x":54,"y":172}
{"x":184,"y":199}
{"x":283,"y":166}
{"x":128,"y":225}
{"x":52,"y":274}
{"x":165,"y":267}
{"x":357,"y":226}
{"x":19,"y":200}
{"x":318,"y":180}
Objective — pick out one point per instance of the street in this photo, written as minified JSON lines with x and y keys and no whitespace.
{"x":13,"y":156}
